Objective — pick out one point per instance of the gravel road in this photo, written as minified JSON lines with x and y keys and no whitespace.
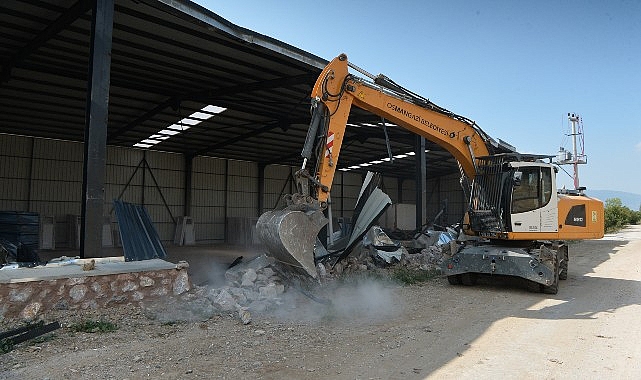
{"x":375,"y":330}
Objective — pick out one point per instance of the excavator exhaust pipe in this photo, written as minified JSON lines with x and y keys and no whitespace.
{"x":289,"y":236}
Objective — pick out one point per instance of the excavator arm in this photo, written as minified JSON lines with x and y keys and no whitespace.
{"x":336,"y":91}
{"x":289,"y":234}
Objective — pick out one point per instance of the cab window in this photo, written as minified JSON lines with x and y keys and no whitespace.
{"x":532,"y":188}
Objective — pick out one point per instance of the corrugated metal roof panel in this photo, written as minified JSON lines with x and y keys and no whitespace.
{"x":169,"y":59}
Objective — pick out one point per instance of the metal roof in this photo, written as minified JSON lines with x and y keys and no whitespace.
{"x":171,"y":58}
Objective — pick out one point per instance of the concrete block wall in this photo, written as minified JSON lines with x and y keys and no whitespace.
{"x":28,"y":300}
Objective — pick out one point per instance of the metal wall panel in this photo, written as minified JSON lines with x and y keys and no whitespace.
{"x":57,"y":150}
{"x":131,"y":193}
{"x":172,"y":195}
{"x":130,"y":169}
{"x":209,"y":165}
{"x":56,"y":181}
{"x":15,"y":146}
{"x":15,"y":159}
{"x":11,"y":194}
{"x":117,"y":156}
{"x":56,"y":184}
{"x":242,"y":189}
{"x":57,"y":170}
{"x":59,"y":209}
{"x":165,"y":161}
{"x":139,"y":234}
{"x":277,"y":183}
{"x":351,"y":186}
{"x":124,"y":175}
{"x":171,"y":179}
{"x":409,"y":191}
{"x":208,"y":199}
{"x":55,"y":191}
{"x":390,"y":187}
{"x":15,"y":171}
{"x":14,"y":167}
{"x":440,"y":190}
{"x":208,"y":181}
{"x":248,"y":202}
{"x":337,"y":195}
{"x":162,"y":220}
{"x":120,"y":174}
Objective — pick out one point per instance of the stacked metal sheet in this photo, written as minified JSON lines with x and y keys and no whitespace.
{"x":140,"y":240}
{"x":20,"y":227}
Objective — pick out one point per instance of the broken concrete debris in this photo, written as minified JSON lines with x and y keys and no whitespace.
{"x":249,"y":277}
{"x":223,"y":300}
{"x":258,"y":285}
{"x":252,"y":287}
{"x":245,"y":316}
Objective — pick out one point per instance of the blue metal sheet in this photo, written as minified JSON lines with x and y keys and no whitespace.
{"x":140,"y":240}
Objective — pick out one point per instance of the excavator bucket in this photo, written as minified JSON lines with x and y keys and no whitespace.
{"x":289,"y":235}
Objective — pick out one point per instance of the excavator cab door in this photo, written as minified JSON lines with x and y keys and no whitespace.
{"x":533,"y":204}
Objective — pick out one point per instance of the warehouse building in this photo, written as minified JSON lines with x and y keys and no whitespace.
{"x":164,"y":104}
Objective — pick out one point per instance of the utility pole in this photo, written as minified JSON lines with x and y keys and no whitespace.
{"x":575,"y":157}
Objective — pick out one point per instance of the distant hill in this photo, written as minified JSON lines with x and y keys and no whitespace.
{"x":632,"y":200}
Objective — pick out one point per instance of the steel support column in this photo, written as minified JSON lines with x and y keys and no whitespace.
{"x":226,"y":228}
{"x":421,"y":180}
{"x":261,"y":188}
{"x":96,"y":113}
{"x":189,"y":165}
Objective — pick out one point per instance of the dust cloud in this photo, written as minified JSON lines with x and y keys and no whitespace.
{"x":359,"y":300}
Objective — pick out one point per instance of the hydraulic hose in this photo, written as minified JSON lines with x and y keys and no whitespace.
{"x":317,"y":116}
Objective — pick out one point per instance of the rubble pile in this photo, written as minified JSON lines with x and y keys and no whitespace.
{"x":258,"y":285}
{"x":250,"y":287}
{"x":428,"y":259}
{"x":425,"y":252}
{"x":254,"y":286}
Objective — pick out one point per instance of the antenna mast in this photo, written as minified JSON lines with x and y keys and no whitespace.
{"x":575,"y":157}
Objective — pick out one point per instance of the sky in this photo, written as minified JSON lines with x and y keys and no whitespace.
{"x":515,"y":67}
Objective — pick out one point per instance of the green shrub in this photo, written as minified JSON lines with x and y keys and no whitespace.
{"x":413,"y":276}
{"x":618,"y":216}
{"x":90,"y":326}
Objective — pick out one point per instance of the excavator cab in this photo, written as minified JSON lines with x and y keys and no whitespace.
{"x":512,"y":193}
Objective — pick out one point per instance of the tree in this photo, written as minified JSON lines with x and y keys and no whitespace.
{"x":618,"y":216}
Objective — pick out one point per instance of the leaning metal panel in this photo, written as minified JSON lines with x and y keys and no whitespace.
{"x":140,"y":241}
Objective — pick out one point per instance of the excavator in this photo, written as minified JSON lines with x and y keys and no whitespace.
{"x":516,"y":223}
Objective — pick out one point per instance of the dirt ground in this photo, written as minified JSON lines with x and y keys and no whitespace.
{"x":377,"y":330}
